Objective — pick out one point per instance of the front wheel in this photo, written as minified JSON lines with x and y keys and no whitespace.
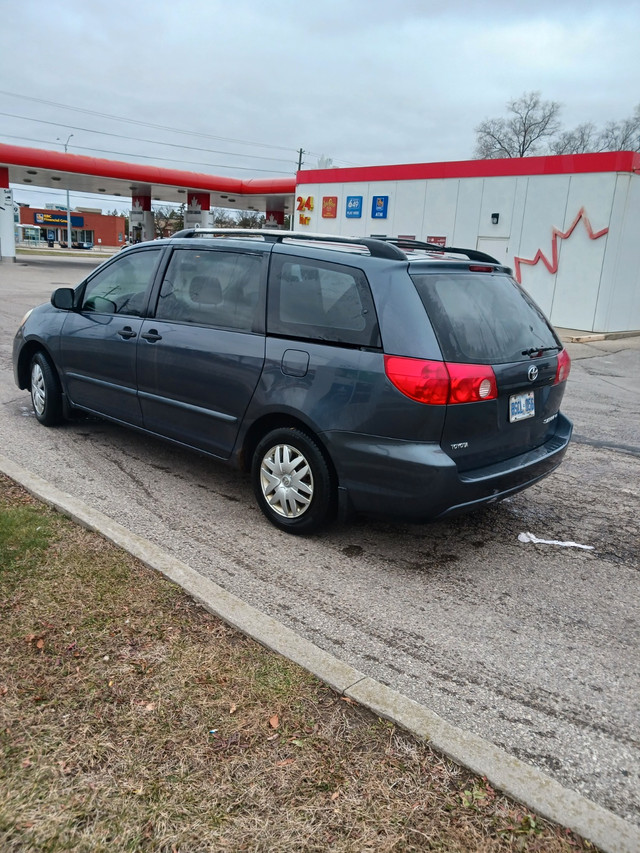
{"x":46,"y":395}
{"x":292,"y":481}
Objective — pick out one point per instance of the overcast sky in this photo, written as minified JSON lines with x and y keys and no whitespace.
{"x":236,"y":87}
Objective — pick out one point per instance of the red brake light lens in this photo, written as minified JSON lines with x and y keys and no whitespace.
{"x":438,"y":383}
{"x":421,"y":380}
{"x":564,"y":367}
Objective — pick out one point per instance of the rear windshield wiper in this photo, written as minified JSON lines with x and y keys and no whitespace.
{"x":534,"y":350}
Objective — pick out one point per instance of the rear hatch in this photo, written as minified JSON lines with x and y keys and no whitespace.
{"x":482,"y":317}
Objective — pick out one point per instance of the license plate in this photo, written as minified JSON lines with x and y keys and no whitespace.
{"x":521,"y":406}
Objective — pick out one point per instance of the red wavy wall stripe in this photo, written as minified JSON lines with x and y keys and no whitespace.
{"x":552,"y":265}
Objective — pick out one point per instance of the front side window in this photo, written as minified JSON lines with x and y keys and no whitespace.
{"x":121,"y":287}
{"x":212,"y":288}
{"x":321,"y":301}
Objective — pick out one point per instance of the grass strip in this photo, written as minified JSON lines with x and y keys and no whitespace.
{"x":133,"y":720}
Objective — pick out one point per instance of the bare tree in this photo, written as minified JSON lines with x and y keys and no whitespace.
{"x":533,"y":128}
{"x":222,"y":218}
{"x":581,"y":140}
{"x":249,"y":219}
{"x":166,"y":220}
{"x":531,"y":121}
{"x":622,"y":135}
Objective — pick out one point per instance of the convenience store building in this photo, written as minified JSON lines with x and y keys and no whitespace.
{"x":568,"y":226}
{"x":89,"y":227}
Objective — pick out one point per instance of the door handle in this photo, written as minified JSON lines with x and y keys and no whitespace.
{"x":127,"y":332}
{"x":152,"y":336}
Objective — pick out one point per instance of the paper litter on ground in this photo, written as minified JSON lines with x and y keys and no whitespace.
{"x":529,"y":537}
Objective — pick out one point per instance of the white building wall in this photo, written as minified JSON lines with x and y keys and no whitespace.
{"x":498,"y":196}
{"x":408,"y":207}
{"x":441,"y":203}
{"x":581,"y":258}
{"x":618,"y":306}
{"x":545,"y":204}
{"x":596,"y":285}
{"x":468,"y":212}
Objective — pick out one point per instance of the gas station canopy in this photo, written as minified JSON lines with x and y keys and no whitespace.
{"x":76,"y":172}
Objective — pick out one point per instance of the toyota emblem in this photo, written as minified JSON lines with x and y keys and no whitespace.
{"x":532,"y":373}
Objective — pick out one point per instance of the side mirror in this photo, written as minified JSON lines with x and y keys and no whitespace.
{"x":63,"y":298}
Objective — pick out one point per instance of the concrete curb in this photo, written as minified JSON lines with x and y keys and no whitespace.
{"x":521,"y":781}
{"x":585,"y":339}
{"x":572,"y":336}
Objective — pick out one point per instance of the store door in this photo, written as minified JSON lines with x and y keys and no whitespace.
{"x":497,"y":247}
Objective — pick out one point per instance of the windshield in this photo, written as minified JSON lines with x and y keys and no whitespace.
{"x":483,"y":318}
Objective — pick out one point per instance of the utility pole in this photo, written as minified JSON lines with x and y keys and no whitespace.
{"x":300,"y":153}
{"x":68,"y":208}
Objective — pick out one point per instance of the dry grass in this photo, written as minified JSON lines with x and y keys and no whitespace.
{"x":132,"y":720}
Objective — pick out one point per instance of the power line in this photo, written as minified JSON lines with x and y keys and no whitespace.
{"x":165,"y":127}
{"x":143,"y":123}
{"x":152,"y":157}
{"x":151,"y":141}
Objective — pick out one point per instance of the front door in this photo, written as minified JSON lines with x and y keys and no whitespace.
{"x":99,"y":341}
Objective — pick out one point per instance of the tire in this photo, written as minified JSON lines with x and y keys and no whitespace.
{"x":292,"y":482}
{"x":46,"y":394}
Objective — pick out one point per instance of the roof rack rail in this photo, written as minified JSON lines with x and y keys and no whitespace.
{"x":472,"y":254}
{"x":377,"y":248}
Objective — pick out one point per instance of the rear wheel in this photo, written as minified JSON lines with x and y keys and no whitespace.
{"x":46,"y":394}
{"x":292,"y":481}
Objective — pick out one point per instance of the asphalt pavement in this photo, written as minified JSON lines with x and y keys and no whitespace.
{"x":518,"y":659}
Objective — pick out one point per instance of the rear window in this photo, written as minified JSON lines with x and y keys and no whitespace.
{"x":482,"y":318}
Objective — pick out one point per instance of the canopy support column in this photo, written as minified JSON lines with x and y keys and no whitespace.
{"x":141,"y":224}
{"x":7,"y":227}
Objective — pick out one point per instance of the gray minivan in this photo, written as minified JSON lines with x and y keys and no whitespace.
{"x":391,"y":378}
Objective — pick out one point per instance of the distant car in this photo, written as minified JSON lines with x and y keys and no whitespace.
{"x":390,"y":378}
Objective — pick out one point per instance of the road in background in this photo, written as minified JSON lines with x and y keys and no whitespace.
{"x":534,"y":647}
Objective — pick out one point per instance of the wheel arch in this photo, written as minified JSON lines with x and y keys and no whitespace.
{"x":278,"y":420}
{"x":27,"y":353}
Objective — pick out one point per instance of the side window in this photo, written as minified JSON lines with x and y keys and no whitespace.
{"x":321,"y":301}
{"x":211,"y":288}
{"x":121,"y":287}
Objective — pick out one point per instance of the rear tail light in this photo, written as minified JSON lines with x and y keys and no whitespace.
{"x":424,"y":381}
{"x":471,"y":383}
{"x":563,"y":368}
{"x":439,"y":383}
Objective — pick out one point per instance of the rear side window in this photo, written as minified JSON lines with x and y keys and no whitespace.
{"x":212,"y":288}
{"x":320,"y":301}
{"x":482,"y":318}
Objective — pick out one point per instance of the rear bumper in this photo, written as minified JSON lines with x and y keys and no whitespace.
{"x":419,"y":482}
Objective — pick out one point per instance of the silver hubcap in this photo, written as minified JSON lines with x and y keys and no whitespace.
{"x":38,"y":393}
{"x":286,"y":481}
